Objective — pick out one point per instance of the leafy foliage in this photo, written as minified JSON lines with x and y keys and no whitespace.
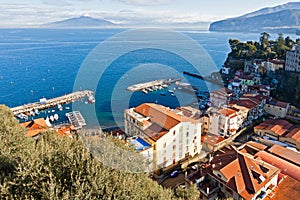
{"x":55,"y":167}
{"x":264,"y":49}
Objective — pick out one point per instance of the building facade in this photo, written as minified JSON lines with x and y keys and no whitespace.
{"x":173,"y":136}
{"x":292,"y":62}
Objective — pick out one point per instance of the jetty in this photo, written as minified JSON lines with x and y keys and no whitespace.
{"x":215,"y":80}
{"x":76,"y":119}
{"x":161,"y":83}
{"x":49,"y":103}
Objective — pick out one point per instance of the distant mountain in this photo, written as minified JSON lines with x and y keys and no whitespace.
{"x":79,"y":22}
{"x":284,"y":18}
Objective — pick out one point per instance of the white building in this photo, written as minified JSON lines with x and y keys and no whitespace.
{"x":224,"y":121}
{"x":292,"y":62}
{"x":172,"y":134}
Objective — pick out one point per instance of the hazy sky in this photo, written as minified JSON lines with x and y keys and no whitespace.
{"x":34,"y":12}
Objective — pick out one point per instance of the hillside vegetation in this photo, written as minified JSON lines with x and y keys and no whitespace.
{"x":55,"y":167}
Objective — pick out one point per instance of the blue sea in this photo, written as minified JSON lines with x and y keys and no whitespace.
{"x":36,"y":63}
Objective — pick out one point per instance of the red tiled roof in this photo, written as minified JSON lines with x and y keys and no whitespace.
{"x":159,"y":115}
{"x":155,"y":131}
{"x":286,"y":167}
{"x":294,"y":133}
{"x":287,"y":189}
{"x":227,"y":111}
{"x":244,"y":174}
{"x":256,"y":145}
{"x":211,"y":138}
{"x":34,"y":127}
{"x":279,"y":127}
{"x":285,"y":154}
{"x":246,"y":103}
{"x":161,"y":118}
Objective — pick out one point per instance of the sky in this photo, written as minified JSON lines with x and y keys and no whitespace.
{"x":26,"y":13}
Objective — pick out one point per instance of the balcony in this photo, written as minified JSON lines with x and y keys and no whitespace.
{"x":208,"y":188}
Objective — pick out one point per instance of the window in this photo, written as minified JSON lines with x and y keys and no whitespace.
{"x":187,"y":134}
{"x":174,"y":133}
{"x":165,"y":145}
{"x":174,"y":147}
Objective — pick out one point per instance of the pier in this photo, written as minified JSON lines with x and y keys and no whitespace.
{"x":142,"y":86}
{"x":76,"y":119}
{"x":45,"y":104}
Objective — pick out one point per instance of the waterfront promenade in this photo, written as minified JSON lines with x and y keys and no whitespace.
{"x":49,"y":103}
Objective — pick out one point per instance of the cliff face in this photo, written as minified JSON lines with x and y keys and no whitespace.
{"x":277,"y":19}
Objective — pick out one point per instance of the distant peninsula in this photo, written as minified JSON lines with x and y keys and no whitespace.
{"x":284,"y":18}
{"x":80,"y":22}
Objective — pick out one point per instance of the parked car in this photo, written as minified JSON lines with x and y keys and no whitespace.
{"x":174,"y":173}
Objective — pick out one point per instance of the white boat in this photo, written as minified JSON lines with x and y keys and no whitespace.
{"x":49,"y":111}
{"x":59,"y":107}
{"x":48,"y":122}
{"x":31,"y":113}
{"x":55,"y":117}
{"x":67,"y":108}
{"x":171,"y":91}
{"x":145,"y":91}
{"x":149,"y":89}
{"x":173,"y":95}
{"x":51,"y":118}
{"x":53,"y":111}
{"x":36,"y":111}
{"x":91,"y":99}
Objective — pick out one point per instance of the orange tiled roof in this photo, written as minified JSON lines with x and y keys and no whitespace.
{"x":211,"y":138}
{"x":294,"y":133}
{"x":286,"y":167}
{"x":161,"y":115}
{"x":34,"y":127}
{"x":227,"y":111}
{"x":285,"y":154}
{"x":256,"y":145}
{"x":243,"y":174}
{"x":287,"y":189}
{"x":65,"y":131}
{"x":279,"y":127}
{"x":155,"y":132}
{"x":246,"y":103}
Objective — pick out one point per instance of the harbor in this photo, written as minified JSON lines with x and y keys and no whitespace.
{"x":43,"y":104}
{"x":152,"y":85}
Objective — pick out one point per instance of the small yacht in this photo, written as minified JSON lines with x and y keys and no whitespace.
{"x":173,"y":95}
{"x":67,"y":108}
{"x":149,"y":89}
{"x":91,"y":99}
{"x":36,"y":111}
{"x":55,"y":117}
{"x":51,"y":118}
{"x":59,"y":107}
{"x":171,"y":91}
{"x":145,"y":91}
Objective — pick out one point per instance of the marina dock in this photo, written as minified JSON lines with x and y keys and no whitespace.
{"x":143,"y":86}
{"x":76,"y":119}
{"x":49,"y":103}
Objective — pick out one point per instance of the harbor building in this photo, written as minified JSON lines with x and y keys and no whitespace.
{"x":174,"y":134}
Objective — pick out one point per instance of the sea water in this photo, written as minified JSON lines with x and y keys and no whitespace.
{"x":36,"y":63}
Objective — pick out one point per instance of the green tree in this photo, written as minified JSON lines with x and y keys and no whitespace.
{"x":264,"y":40}
{"x":54,"y":167}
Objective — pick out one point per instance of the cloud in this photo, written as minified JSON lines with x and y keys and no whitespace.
{"x":145,"y":2}
{"x":56,"y":3}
